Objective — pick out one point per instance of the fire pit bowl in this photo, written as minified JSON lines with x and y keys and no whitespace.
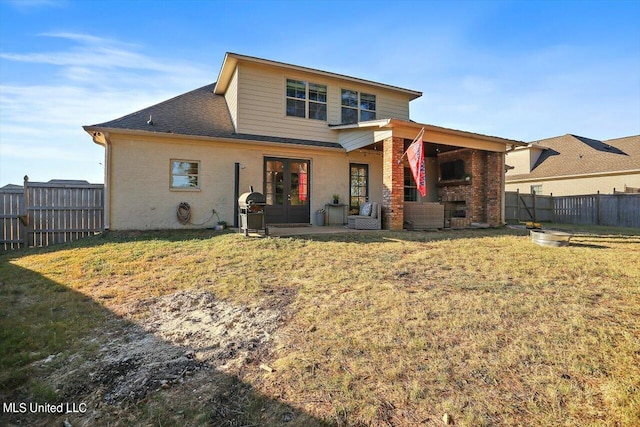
{"x":550,"y":237}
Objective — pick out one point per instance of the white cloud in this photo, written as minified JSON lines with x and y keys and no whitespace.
{"x":93,"y":52}
{"x":25,"y":5}
{"x":95,"y":79}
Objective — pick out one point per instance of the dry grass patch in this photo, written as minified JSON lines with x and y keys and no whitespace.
{"x":400,"y":328}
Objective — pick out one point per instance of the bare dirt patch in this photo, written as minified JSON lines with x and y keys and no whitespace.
{"x":172,"y":340}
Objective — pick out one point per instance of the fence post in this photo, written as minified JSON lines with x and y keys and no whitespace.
{"x":518,"y":204}
{"x":598,"y":207}
{"x":553,"y":208}
{"x":24,"y":217}
{"x":535,"y":213}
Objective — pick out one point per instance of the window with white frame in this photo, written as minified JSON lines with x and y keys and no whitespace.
{"x":185,"y":174}
{"x":306,"y":100}
{"x":537,"y":189}
{"x":357,"y":106}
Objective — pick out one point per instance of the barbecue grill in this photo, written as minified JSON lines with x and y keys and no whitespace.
{"x":251,"y":212}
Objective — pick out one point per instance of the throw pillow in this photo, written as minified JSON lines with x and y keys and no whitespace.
{"x":365,"y":210}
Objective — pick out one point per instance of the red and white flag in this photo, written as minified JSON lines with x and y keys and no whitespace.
{"x":415,"y":155}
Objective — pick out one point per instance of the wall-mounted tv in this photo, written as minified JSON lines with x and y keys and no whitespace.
{"x":452,"y":170}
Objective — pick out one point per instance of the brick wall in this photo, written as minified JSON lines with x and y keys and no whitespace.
{"x":494,"y":188}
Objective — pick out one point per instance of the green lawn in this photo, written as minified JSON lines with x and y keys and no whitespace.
{"x":388,"y":328}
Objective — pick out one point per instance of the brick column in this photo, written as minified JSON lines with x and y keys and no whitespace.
{"x":494,"y":186}
{"x":478,"y":186}
{"x":393,"y":183}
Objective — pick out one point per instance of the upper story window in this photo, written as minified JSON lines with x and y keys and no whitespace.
{"x":357,"y":106}
{"x":185,"y":174}
{"x":306,"y":100}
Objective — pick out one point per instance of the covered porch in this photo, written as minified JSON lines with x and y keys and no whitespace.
{"x":464,"y":173}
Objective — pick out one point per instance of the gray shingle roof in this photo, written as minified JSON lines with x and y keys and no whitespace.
{"x":576,"y":155}
{"x":196,"y":113}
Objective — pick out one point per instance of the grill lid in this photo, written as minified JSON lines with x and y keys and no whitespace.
{"x":251,"y":198}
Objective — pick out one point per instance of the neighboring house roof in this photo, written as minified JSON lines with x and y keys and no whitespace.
{"x":11,"y":188}
{"x":569,"y":155}
{"x":196,"y":113}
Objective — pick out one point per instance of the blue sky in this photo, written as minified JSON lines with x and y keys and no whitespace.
{"x":524,"y":70}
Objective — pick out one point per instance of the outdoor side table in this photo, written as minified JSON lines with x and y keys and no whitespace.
{"x":340,"y":217}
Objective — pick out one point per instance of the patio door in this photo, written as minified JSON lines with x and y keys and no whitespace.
{"x":286,"y":188}
{"x":358,"y":185}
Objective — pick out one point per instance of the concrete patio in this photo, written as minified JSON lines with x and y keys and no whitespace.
{"x":311,"y":229}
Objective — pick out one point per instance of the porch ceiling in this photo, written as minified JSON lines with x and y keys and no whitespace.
{"x":361,"y":135}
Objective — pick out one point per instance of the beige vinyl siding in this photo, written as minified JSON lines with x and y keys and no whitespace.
{"x":519,"y":159}
{"x":262,"y":106}
{"x":261,"y":103}
{"x":391,"y":106}
{"x":522,"y":159}
{"x":231,"y":96}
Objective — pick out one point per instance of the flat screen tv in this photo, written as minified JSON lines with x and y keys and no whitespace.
{"x":452,"y":170}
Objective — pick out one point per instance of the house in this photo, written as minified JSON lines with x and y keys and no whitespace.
{"x":574,"y":165}
{"x":298,"y":135}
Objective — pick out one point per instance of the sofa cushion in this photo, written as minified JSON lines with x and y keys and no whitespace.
{"x":365,"y":210}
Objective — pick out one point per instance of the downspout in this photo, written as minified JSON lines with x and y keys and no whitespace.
{"x":236,"y":193}
{"x":102,"y":138}
{"x":503,"y":204}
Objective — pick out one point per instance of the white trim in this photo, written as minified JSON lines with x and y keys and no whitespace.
{"x":367,"y":124}
{"x":198,"y":175}
{"x":307,"y":100}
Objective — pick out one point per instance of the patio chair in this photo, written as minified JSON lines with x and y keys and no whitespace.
{"x":369,"y":218}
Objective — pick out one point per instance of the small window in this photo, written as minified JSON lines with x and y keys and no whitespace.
{"x":537,"y":189}
{"x":357,"y":106}
{"x":306,"y":100}
{"x":185,"y":174}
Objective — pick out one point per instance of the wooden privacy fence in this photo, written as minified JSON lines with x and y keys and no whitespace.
{"x":619,"y":209}
{"x":45,"y":213}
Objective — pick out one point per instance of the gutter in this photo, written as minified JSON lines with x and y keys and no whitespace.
{"x":102,"y":138}
{"x":173,"y":136}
